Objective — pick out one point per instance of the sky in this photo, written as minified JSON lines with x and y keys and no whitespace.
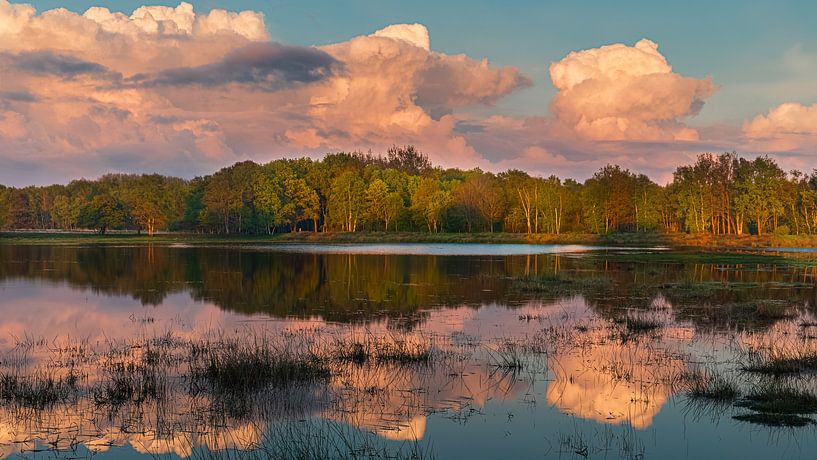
{"x":96,"y":86}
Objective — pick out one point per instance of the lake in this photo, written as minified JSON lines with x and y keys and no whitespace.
{"x":405,"y":350}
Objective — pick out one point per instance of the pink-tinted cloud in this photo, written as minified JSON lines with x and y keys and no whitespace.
{"x":620,"y":92}
{"x":415,"y":34}
{"x":184,"y":92}
{"x":787,"y":127}
{"x":266,"y":66}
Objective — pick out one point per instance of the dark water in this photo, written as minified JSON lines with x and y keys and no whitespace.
{"x":589,"y":383}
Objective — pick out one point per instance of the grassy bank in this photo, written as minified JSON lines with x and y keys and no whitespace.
{"x":676,"y":240}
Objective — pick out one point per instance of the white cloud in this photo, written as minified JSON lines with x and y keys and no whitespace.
{"x":416,"y":34}
{"x":787,"y":127}
{"x":620,"y":92}
{"x":180,"y":91}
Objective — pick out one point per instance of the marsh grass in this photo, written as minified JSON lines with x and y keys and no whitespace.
{"x":128,"y":383}
{"x":603,"y":442}
{"x":717,"y":309}
{"x":779,"y":360}
{"x":383,"y":350}
{"x":39,"y":390}
{"x":634,"y":325}
{"x":507,"y":356}
{"x":642,"y":324}
{"x":235,"y":367}
{"x":222,"y":380}
{"x":560,"y":284}
{"x":692,"y":291}
{"x":778,"y":405}
{"x":318,"y":439}
{"x":710,"y":386}
{"x":574,"y":444}
{"x":780,"y":399}
{"x":775,"y":420}
{"x":771,"y":310}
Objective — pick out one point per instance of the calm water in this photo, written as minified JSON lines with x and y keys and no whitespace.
{"x":586,"y":381}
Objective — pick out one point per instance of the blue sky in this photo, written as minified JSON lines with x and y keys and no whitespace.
{"x":710,"y":77}
{"x":742,"y":45}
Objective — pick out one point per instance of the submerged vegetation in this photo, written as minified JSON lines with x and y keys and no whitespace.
{"x":778,"y":404}
{"x":344,"y":355}
{"x":779,"y":360}
{"x":710,"y":386}
{"x":240,"y":367}
{"x":316,"y":394}
{"x":559,"y":284}
{"x":37,"y":391}
{"x":273,"y":387}
{"x":376,"y":351}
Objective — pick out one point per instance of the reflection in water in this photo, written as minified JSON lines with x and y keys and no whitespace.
{"x":602,"y":339}
{"x":430,"y":249}
{"x":614,"y":383}
{"x":358,"y":286}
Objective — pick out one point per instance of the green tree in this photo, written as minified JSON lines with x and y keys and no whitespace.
{"x":64,"y":214}
{"x":347,"y":201}
{"x":429,"y":201}
{"x":267,"y":192}
{"x":221,"y":198}
{"x":759,"y":189}
{"x":102,"y":213}
{"x":301,"y":203}
{"x":408,"y":159}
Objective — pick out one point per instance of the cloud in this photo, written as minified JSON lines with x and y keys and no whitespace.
{"x":545,"y":146}
{"x":12,"y":125}
{"x":174,"y":90}
{"x":49,"y":63}
{"x":183,"y":92}
{"x":268,"y":66}
{"x":399,"y":91}
{"x":17,"y":96}
{"x":150,"y":39}
{"x":415,"y":34}
{"x":448,"y":82}
{"x":620,"y":92}
{"x":180,"y":21}
{"x":787,"y":127}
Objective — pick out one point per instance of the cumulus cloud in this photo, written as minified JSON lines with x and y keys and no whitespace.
{"x":267,"y":66}
{"x":400,"y":91}
{"x":49,"y":63}
{"x":787,"y":127}
{"x":179,"y":21}
{"x":12,"y":125}
{"x":620,"y":92}
{"x":416,"y":34}
{"x":17,"y":96}
{"x":150,"y":39}
{"x":175,"y":90}
{"x":545,"y":146}
{"x":179,"y":91}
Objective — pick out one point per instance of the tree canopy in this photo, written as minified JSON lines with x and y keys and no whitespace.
{"x":718,"y":194}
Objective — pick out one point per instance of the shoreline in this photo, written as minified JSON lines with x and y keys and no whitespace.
{"x":679,"y":241}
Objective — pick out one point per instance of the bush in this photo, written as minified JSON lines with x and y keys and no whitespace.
{"x":782,"y":230}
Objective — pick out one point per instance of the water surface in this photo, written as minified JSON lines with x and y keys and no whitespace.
{"x":536,"y":349}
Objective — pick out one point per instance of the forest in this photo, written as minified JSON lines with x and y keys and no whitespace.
{"x":403,"y":191}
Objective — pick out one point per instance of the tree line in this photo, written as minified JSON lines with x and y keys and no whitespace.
{"x":403,"y":191}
